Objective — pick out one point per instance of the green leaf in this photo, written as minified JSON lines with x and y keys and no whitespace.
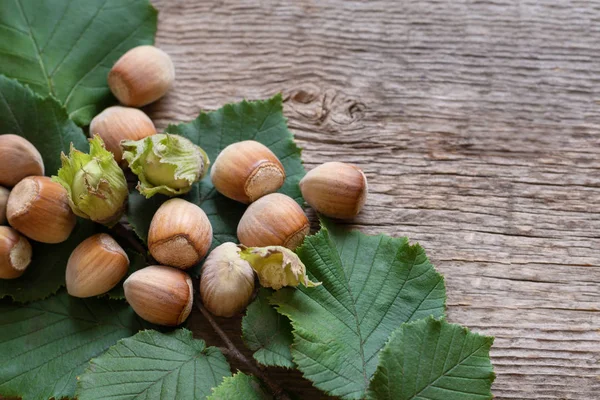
{"x":136,"y":262}
{"x":153,"y":365}
{"x":262,"y":121}
{"x":436,"y":360}
{"x":40,"y":120}
{"x":66,"y":48}
{"x":240,"y":387}
{"x":46,"y":273}
{"x":371,"y":285}
{"x":267,"y":333}
{"x":46,"y":344}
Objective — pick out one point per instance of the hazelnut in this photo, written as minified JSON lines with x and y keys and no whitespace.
{"x":15,"y":253}
{"x":180,"y":234}
{"x":226,"y":281}
{"x":95,"y":266}
{"x":273,"y":220}
{"x":18,"y":159}
{"x":121,"y":123}
{"x":39,"y":209}
{"x":4,"y":193}
{"x":246,"y":171}
{"x":159,"y":294}
{"x":335,"y":189}
{"x":142,"y":75}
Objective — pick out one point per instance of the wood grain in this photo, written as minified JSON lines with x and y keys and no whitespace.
{"x":477,"y":124}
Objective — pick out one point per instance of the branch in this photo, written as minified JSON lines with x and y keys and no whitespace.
{"x":234,"y":353}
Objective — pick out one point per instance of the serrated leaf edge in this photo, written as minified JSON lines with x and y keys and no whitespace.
{"x":438,"y":322}
{"x":305,"y":334}
{"x":88,"y":369}
{"x":245,"y":333}
{"x":38,"y":96}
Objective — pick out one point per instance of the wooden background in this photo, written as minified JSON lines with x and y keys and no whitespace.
{"x":477,"y":124}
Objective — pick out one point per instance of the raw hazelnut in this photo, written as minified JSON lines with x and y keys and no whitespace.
{"x":4,"y":193}
{"x":246,"y":171}
{"x":121,"y":123}
{"x":15,"y":253}
{"x":159,"y":294}
{"x":273,"y":220}
{"x":335,"y":189}
{"x":95,"y":266}
{"x":39,"y":209}
{"x":142,"y":75}
{"x":226,"y":282}
{"x":18,"y":159}
{"x":180,"y":234}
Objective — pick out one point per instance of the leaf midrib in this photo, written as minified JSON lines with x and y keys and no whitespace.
{"x":38,"y":53}
{"x":445,"y":373}
{"x":353,"y":305}
{"x":193,"y":358}
{"x":68,"y":53}
{"x":47,"y":362}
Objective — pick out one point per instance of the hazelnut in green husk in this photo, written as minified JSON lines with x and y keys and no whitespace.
{"x":165,"y":164}
{"x":95,"y":183}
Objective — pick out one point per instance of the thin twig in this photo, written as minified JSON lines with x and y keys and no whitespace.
{"x":234,"y":353}
{"x":126,"y":234}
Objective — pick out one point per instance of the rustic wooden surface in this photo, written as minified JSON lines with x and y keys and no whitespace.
{"x":477,"y":124}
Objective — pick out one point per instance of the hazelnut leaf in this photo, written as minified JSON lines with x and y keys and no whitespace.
{"x":46,"y":344}
{"x":41,"y":120}
{"x":240,"y":387}
{"x":65,"y":48}
{"x":371,"y":285}
{"x":262,"y":121}
{"x":154,"y":365}
{"x":267,"y":333}
{"x":433,"y":359}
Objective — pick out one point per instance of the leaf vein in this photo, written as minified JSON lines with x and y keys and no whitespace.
{"x":70,"y":93}
{"x":81,"y":35}
{"x":37,"y":48}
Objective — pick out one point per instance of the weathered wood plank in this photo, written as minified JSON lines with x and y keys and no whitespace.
{"x":477,"y":123}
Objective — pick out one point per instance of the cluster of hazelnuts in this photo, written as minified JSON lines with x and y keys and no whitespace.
{"x":35,"y":207}
{"x":180,"y":234}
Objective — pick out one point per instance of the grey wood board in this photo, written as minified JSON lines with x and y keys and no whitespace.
{"x":477,"y":124}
